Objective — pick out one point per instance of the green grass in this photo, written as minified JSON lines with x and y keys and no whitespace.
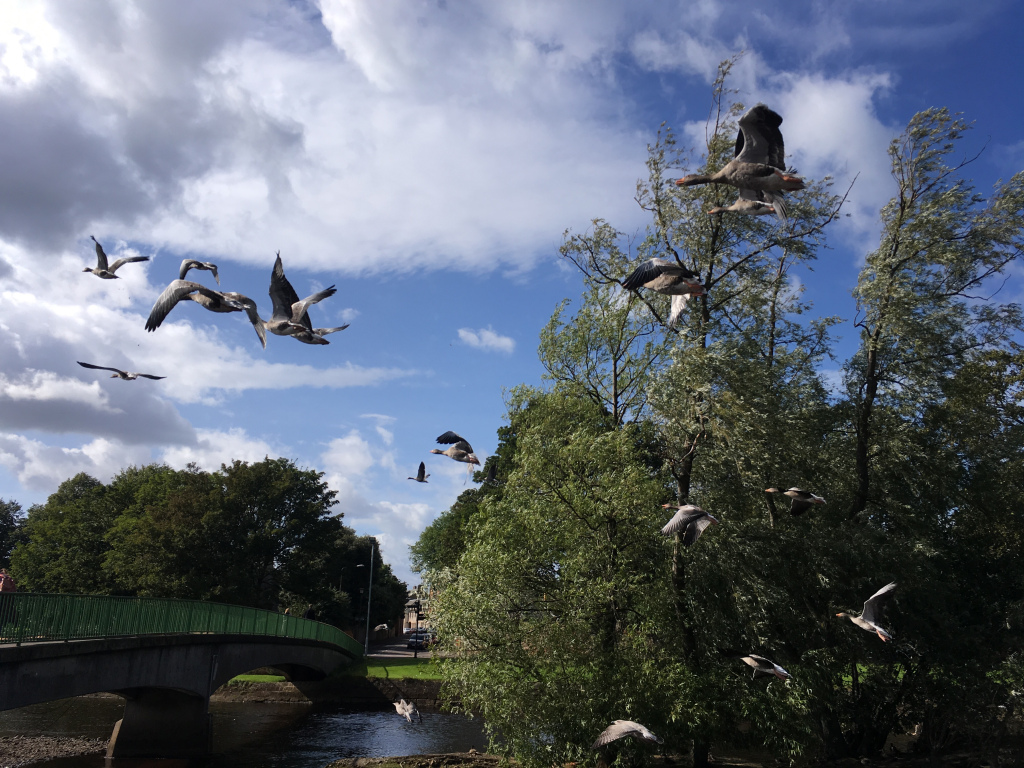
{"x":256,"y":679}
{"x":408,"y":668}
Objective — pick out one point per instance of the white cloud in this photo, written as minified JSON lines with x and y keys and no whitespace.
{"x":214,"y":448}
{"x":488,"y":339}
{"x":41,"y":467}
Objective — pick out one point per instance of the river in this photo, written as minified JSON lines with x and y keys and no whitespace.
{"x":255,"y":735}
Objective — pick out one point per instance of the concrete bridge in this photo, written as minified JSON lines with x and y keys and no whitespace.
{"x":51,"y":648}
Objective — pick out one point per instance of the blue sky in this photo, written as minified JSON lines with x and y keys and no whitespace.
{"x":425,"y":157}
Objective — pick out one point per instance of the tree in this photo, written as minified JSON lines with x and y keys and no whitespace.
{"x":64,"y":546}
{"x":10,"y":524}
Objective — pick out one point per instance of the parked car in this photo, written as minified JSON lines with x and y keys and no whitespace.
{"x":421,"y":641}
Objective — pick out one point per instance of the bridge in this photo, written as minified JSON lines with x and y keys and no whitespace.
{"x":165,"y":657}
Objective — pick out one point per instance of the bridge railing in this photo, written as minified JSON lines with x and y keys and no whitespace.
{"x":34,"y":618}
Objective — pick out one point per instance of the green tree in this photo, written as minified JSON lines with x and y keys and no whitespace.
{"x":64,"y":540}
{"x":10,"y":525}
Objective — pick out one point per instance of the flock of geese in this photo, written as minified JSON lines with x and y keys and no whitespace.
{"x":757,"y":170}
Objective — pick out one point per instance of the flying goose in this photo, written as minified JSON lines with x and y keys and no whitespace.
{"x":407,"y":710}
{"x":290,"y":317}
{"x":460,"y":449}
{"x":690,"y":519}
{"x":102,"y":270}
{"x":215,"y":301}
{"x":118,"y":373}
{"x":802,"y":500}
{"x":188,"y":264}
{"x":765,"y":666}
{"x":669,"y":278}
{"x":871,"y":614}
{"x":381,"y":628}
{"x":421,"y":475}
{"x":621,"y":728}
{"x":759,"y":162}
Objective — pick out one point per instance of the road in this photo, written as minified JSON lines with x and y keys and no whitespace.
{"x":396,"y":647}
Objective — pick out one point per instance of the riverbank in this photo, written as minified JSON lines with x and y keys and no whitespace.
{"x":358,"y":693}
{"x":17,"y":751}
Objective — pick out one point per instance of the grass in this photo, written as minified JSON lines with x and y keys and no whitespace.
{"x":256,"y":679}
{"x":405,"y":668}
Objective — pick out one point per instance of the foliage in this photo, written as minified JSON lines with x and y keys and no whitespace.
{"x":564,"y":607}
{"x":261,"y":534}
{"x":10,"y":527}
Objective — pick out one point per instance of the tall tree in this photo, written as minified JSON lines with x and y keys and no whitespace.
{"x":10,"y":524}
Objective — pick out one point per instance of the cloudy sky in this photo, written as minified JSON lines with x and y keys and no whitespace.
{"x":425,"y":157}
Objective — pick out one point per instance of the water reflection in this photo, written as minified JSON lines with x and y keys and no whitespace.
{"x":253,"y":735}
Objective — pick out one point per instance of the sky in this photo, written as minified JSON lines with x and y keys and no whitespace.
{"x":423,"y":157}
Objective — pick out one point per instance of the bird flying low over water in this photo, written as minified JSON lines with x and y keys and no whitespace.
{"x":290,"y":316}
{"x":872,"y":612}
{"x":407,"y":710}
{"x":669,"y":278}
{"x":621,"y":728}
{"x":765,"y":666}
{"x":119,"y":374}
{"x":460,"y":449}
{"x":691,"y":520}
{"x":421,"y":475}
{"x":188,"y":264}
{"x":802,"y":500}
{"x":758,"y":164}
{"x":215,"y":301}
{"x":107,"y":272}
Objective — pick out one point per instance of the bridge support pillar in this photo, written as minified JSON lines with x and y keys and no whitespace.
{"x":162,"y":723}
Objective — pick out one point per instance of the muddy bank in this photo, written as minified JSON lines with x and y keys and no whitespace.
{"x":471,"y":759}
{"x":370,"y":693}
{"x":22,"y":750}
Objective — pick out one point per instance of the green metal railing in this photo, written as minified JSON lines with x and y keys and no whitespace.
{"x":36,"y":618}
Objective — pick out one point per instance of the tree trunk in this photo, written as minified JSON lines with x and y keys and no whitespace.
{"x":860,"y":499}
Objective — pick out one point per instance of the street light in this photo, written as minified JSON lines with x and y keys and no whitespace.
{"x":369,"y":596}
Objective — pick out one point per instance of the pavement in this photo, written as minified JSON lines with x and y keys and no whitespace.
{"x":395,"y":647}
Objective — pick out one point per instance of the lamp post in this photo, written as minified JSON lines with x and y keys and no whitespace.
{"x":369,"y":596}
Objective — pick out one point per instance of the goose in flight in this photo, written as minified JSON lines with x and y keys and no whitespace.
{"x":381,"y":628}
{"x":759,"y":161}
{"x":765,"y":666}
{"x":407,"y":710}
{"x":421,"y":475}
{"x":290,"y":317}
{"x":118,"y":373}
{"x":460,"y":450}
{"x":107,"y":272}
{"x":621,"y":728}
{"x":669,"y":278}
{"x":802,"y":500}
{"x":871,"y":614}
{"x":188,"y":264}
{"x":215,"y":301}
{"x":689,"y":519}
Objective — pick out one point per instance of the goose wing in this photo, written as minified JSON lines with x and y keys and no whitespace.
{"x":759,"y":139}
{"x":118,"y":371}
{"x":188,"y":264}
{"x":126,"y":260}
{"x":150,"y":376}
{"x":299,"y":308}
{"x":251,"y":312}
{"x":325,"y":331}
{"x":873,"y":605}
{"x":450,"y":438}
{"x":621,"y":728}
{"x":173,"y":293}
{"x":685,"y":515}
{"x":281,"y":293}
{"x":696,"y":528}
{"x":101,"y":255}
{"x":421,"y":473}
